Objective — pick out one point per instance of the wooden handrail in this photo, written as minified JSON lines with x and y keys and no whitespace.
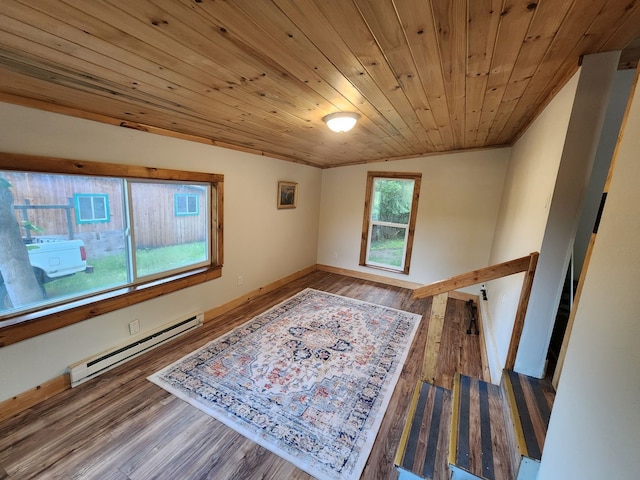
{"x":523,"y":303}
{"x":474,"y":277}
{"x":524,"y":264}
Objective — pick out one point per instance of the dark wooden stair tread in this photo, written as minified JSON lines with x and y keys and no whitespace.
{"x":479,"y":442}
{"x":495,"y":432}
{"x":423,"y":447}
{"x":530,"y":401}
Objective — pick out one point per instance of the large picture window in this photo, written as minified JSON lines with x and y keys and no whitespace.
{"x":389,"y":220}
{"x":75,"y":248}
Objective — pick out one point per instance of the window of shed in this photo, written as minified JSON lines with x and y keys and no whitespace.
{"x":91,"y":207}
{"x":186,"y":204}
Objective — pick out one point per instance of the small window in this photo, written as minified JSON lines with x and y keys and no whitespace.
{"x":91,"y":208}
{"x":389,"y":221}
{"x":186,"y":204}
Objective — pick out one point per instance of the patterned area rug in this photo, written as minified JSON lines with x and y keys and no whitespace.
{"x":310,"y":379}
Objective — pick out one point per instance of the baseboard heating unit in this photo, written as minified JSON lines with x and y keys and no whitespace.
{"x":92,"y":367}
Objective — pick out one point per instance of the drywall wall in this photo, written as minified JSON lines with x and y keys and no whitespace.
{"x":622,"y":82}
{"x":523,"y":215}
{"x":578,"y":154}
{"x":457,"y":211}
{"x":261,"y":243}
{"x":593,"y":433}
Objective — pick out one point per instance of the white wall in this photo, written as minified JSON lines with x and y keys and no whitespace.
{"x":595,"y":424}
{"x":523,"y":214}
{"x":261,"y":243}
{"x":457,"y":211}
{"x":578,"y":154}
{"x":622,"y":83}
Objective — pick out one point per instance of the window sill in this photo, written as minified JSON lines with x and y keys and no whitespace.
{"x":385,"y":269}
{"x":28,"y":325}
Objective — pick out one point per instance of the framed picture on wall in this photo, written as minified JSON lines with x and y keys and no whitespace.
{"x":287,"y":194}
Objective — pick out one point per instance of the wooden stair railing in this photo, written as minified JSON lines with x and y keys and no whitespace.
{"x":440,"y":289}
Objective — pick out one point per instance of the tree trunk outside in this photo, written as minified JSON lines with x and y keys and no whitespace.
{"x":19,"y":279}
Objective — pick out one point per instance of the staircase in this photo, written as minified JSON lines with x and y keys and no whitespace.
{"x":477,"y":430}
{"x":528,"y":407}
{"x":561,"y":321}
{"x":423,"y":445}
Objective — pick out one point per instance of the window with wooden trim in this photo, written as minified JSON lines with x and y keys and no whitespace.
{"x":126,"y":245}
{"x":391,"y":206}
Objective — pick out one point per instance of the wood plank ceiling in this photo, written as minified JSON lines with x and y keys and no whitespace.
{"x":425,"y":75}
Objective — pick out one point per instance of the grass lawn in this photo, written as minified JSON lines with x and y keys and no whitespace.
{"x":111,"y":271}
{"x":387,"y":252}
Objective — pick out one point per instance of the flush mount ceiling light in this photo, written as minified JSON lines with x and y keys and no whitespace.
{"x":341,"y":121}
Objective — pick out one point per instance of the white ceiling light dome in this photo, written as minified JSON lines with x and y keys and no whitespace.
{"x":341,"y":121}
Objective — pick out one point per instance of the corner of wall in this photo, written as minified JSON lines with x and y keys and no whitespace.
{"x":493,"y":358}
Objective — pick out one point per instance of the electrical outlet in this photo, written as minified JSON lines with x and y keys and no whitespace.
{"x":134,"y":327}
{"x":240,"y":279}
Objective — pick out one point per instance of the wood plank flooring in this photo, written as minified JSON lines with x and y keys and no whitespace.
{"x":481,"y":447}
{"x":120,"y":426}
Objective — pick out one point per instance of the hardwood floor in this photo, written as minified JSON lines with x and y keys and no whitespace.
{"x":120,"y":426}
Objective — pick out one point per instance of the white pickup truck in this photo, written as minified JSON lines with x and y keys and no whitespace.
{"x":52,"y":258}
